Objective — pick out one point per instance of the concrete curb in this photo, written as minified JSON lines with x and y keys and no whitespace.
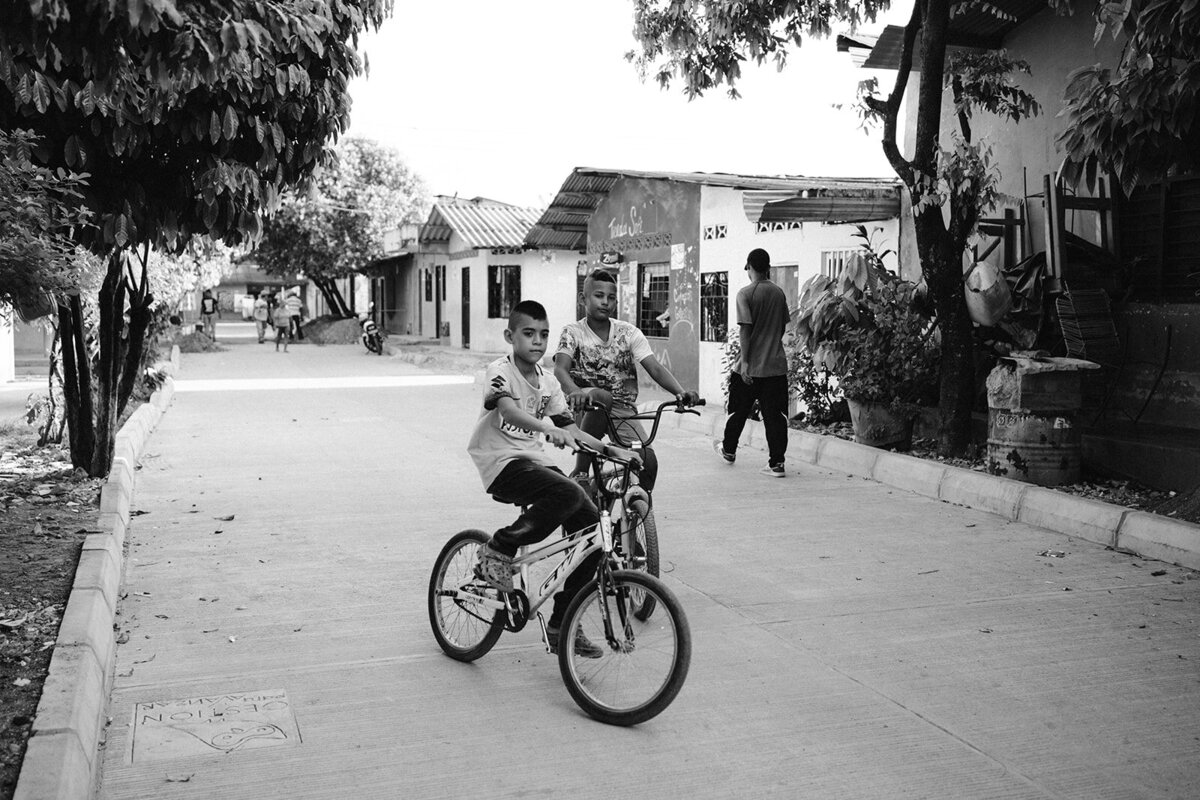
{"x":1137,"y":532}
{"x":62,"y":758}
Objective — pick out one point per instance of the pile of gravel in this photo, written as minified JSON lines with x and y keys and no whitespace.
{"x":196,"y":343}
{"x":333,"y":330}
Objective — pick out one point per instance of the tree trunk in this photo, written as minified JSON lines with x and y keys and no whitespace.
{"x":333,"y":296}
{"x":112,"y":359}
{"x":52,"y":431}
{"x":140,"y":316}
{"x":77,"y":383}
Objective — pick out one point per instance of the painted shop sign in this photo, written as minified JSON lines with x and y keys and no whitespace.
{"x":626,"y":225}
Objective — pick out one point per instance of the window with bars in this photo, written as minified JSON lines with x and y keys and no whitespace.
{"x":654,"y":294}
{"x":833,"y":262}
{"x":714,"y":306}
{"x":428,"y":286}
{"x":441,"y":279}
{"x":504,"y":289}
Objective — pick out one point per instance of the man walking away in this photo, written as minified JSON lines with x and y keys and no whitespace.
{"x":760,"y":372}
{"x":294,"y":307}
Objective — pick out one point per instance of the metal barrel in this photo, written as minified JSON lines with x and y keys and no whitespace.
{"x":1046,"y":450}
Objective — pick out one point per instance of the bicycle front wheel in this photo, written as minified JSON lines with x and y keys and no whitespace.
{"x":642,"y":668}
{"x":464,"y":627}
{"x":645,"y":554}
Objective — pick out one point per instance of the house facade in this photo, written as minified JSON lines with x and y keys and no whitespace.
{"x":456,"y":276}
{"x":1140,"y":250}
{"x":677,"y":243}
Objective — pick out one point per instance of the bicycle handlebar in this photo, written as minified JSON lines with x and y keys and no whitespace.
{"x":655,"y":415}
{"x":582,"y":447}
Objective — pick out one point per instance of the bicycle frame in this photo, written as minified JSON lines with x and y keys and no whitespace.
{"x":576,"y":546}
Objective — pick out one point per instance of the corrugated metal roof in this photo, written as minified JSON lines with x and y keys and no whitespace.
{"x":482,"y":223}
{"x":564,"y":224}
{"x":976,"y":26}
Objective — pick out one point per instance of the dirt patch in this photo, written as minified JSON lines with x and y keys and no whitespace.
{"x":46,"y":510}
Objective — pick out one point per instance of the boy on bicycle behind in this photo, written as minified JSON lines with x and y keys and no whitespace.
{"x":521,"y":401}
{"x":596,"y":362}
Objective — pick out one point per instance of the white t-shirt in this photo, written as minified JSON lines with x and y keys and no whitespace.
{"x":610,"y":365}
{"x":496,"y":442}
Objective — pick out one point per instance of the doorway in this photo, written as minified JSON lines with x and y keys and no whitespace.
{"x":466,"y":308}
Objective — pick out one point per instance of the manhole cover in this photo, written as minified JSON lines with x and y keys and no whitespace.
{"x":219,"y":724}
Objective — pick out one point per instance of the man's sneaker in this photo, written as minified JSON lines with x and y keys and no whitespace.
{"x":719,"y":449}
{"x":584,"y":648}
{"x":773,"y":471}
{"x":495,"y":567}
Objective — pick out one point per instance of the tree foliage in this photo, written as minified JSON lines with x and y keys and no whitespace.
{"x":335,"y":225}
{"x":1137,"y":120}
{"x":191,"y":119}
{"x":39,"y":208}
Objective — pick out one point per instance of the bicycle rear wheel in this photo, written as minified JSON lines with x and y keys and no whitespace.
{"x":639,"y":677}
{"x":464,"y":628}
{"x":645,"y":555}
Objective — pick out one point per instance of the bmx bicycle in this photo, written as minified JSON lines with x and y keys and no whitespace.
{"x":644,"y":663}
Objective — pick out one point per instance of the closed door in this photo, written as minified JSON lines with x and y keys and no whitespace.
{"x":466,"y":308}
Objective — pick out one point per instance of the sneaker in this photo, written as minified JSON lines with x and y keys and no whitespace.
{"x":495,"y":568}
{"x":773,"y":471}
{"x":584,"y":647}
{"x":719,"y":449}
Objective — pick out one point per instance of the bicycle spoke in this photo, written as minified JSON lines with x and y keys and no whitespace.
{"x":644,"y":663}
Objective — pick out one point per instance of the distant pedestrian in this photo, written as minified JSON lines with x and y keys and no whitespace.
{"x":208,"y":312}
{"x":261,"y":314}
{"x":295,"y":309}
{"x":760,"y":372}
{"x":282,"y":323}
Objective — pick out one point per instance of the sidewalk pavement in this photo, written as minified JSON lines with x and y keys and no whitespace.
{"x":852,"y":639}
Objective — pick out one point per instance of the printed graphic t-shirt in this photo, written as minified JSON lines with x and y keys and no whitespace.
{"x":610,"y":365}
{"x":496,"y":442}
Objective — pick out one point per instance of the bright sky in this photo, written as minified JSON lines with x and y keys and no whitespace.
{"x":503,"y":99}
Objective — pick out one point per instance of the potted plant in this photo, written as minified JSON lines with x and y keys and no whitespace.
{"x":869,"y":328}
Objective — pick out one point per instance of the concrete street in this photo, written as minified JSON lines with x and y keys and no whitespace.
{"x":851,"y":640}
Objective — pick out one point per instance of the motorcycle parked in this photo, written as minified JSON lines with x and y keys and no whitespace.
{"x":372,"y":337}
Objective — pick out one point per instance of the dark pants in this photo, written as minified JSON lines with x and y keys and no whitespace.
{"x":549,"y":499}
{"x":295,"y":330}
{"x":628,"y":431}
{"x":772,"y":396}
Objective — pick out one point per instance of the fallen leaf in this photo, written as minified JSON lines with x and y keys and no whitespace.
{"x":180,"y":778}
{"x":225,"y":519}
{"x":123,"y":638}
{"x":21,"y":682}
{"x":232,"y":639}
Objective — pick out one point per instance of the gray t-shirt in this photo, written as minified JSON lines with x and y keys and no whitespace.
{"x":495,"y":442}
{"x":763,"y":306}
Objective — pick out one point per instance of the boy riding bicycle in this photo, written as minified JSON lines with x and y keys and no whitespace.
{"x":596,"y":362}
{"x":520,"y":401}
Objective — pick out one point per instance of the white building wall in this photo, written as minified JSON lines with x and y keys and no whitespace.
{"x":791,"y":246}
{"x":547,"y":276}
{"x":8,"y":359}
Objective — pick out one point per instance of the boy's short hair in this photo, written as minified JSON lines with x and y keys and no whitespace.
{"x":528,"y":308}
{"x":602,"y":276}
{"x":759,"y":260}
